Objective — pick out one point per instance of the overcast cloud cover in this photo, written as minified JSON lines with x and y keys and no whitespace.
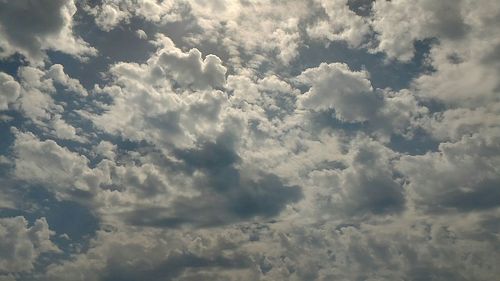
{"x":249,"y":140}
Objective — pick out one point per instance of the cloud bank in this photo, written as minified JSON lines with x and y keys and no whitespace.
{"x":249,"y":140}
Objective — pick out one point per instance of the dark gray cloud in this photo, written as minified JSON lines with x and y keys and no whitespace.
{"x":227,"y":194}
{"x":171,"y":267}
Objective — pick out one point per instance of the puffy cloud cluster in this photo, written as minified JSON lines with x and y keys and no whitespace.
{"x":250,"y":29}
{"x":30,"y":28}
{"x":21,"y":244}
{"x":111,"y":13}
{"x":341,"y":24}
{"x":411,"y":248}
{"x":400,"y":23}
{"x":221,"y":157}
{"x":192,"y":138}
{"x":463,"y":175}
{"x":34,"y":95}
{"x":153,"y":99}
{"x":48,"y":163}
{"x":367,"y":185}
{"x":335,"y":86}
{"x":350,"y":94}
{"x":10,"y":90}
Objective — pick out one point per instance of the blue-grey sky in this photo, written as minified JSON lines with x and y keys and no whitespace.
{"x":249,"y":140}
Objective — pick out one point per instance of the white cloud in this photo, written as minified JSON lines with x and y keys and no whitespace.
{"x":400,"y":23}
{"x":65,"y":172}
{"x":188,"y":69}
{"x":110,"y":13}
{"x":56,"y":73}
{"x":462,"y":175}
{"x":161,"y":256}
{"x":465,"y":73}
{"x":335,"y":86}
{"x":36,"y":101}
{"x":351,"y":95}
{"x":34,"y":96}
{"x":342,"y":24}
{"x":106,"y":149}
{"x":141,"y":34}
{"x":21,"y":245}
{"x":9,"y":89}
{"x":256,"y":28}
{"x":155,"y":111}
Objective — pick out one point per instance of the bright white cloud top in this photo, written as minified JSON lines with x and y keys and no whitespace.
{"x":249,"y":140}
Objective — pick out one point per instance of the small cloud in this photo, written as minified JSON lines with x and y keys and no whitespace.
{"x":141,"y":34}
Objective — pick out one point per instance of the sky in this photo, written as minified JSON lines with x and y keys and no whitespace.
{"x":222,"y":140}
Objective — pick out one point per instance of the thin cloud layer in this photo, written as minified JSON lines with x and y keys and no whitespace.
{"x":249,"y":140}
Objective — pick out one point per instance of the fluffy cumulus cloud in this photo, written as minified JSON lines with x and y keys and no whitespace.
{"x":36,"y":96}
{"x":22,"y":244}
{"x":155,"y":101}
{"x":367,"y":185}
{"x":10,"y":90}
{"x":47,"y":162}
{"x":463,"y":175}
{"x":335,"y":86}
{"x":50,"y":27}
{"x":340,"y":24}
{"x":249,"y":140}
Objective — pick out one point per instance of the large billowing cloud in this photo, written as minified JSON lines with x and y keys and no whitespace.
{"x":249,"y":140}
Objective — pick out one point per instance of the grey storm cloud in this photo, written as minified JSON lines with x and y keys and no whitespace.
{"x":249,"y":140}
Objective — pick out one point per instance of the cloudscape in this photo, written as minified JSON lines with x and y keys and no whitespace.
{"x":242,"y":140}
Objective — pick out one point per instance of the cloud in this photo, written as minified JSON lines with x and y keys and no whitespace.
{"x":39,"y":102}
{"x":366,"y":186}
{"x":141,"y":34}
{"x":21,"y":245}
{"x":461,"y":176}
{"x":336,"y":86}
{"x":341,"y":24}
{"x":139,"y":253}
{"x":353,"y":100}
{"x":156,"y":111}
{"x":400,"y":23}
{"x":10,"y":90}
{"x":50,"y":28}
{"x":250,"y":140}
{"x":411,"y":247}
{"x":109,"y":14}
{"x":56,"y":73}
{"x":453,"y":124}
{"x":188,"y":69}
{"x":45,"y":162}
